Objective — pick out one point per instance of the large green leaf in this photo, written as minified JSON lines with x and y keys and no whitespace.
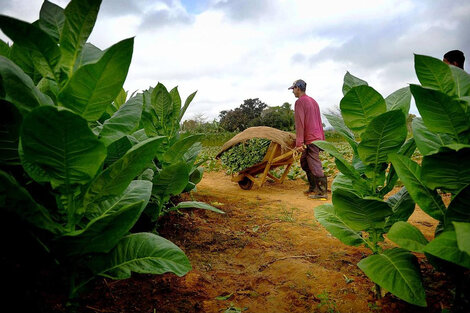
{"x":402,"y":206}
{"x":445,"y":247}
{"x":449,"y":170}
{"x":410,"y":174}
{"x":399,"y":100}
{"x":397,"y":271}
{"x":171,"y":180}
{"x":462,"y":81}
{"x":179,"y":148}
{"x":138,"y":191}
{"x":360,"y":213}
{"x":80,"y":18}
{"x":104,"y":232}
{"x":149,"y":119}
{"x":407,"y":237}
{"x":191,"y":154}
{"x":115,"y":179}
{"x":196,"y":205}
{"x":94,"y":86}
{"x":428,"y":142}
{"x":44,"y":51}
{"x":186,"y":104}
{"x":176,"y":104}
{"x":385,"y":134}
{"x":338,"y":124}
{"x":462,"y":233}
{"x":90,"y":54}
{"x":141,"y":253}
{"x":62,"y":145}
{"x":123,"y":122}
{"x":51,"y":19}
{"x":161,"y":104}
{"x":195,"y":176}
{"x":359,"y":106}
{"x":10,"y":124}
{"x":434,"y":73}
{"x":342,"y":181}
{"x":21,"y":56}
{"x":350,"y":81}
{"x":440,"y":112}
{"x":4,"y":49}
{"x":18,"y":88}
{"x":458,"y":209}
{"x":117,"y":150}
{"x":15,"y":199}
{"x":326,"y":216}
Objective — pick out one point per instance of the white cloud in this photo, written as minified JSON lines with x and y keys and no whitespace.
{"x":234,"y":50}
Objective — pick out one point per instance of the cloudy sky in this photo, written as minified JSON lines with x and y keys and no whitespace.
{"x":231,"y":50}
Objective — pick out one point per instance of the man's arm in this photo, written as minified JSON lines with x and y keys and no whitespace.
{"x":299,"y":115}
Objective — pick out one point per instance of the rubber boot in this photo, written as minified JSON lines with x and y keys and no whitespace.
{"x":322,"y":184}
{"x":312,"y":185}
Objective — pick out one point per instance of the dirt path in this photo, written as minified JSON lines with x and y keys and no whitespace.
{"x":266,"y":254}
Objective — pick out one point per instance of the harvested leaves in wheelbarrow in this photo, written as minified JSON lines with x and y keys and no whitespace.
{"x":245,"y":154}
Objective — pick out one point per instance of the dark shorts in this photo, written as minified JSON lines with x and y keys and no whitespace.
{"x":310,"y":160}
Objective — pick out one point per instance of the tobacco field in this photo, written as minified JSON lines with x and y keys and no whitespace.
{"x":108,"y":206}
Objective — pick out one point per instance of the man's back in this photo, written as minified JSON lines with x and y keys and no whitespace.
{"x":308,"y":122}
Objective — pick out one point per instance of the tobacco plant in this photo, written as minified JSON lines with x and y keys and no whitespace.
{"x":442,"y":136}
{"x":362,"y":211}
{"x":72,"y":148}
{"x":174,"y":169}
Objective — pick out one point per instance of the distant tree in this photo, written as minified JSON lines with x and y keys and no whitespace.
{"x":189,"y":125}
{"x":280,"y":117}
{"x":242,"y":117}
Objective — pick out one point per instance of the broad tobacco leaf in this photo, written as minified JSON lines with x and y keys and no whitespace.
{"x":62,"y":145}
{"x":396,"y":270}
{"x":359,"y":106}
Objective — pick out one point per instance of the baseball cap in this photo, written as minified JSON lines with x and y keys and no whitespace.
{"x":299,"y":83}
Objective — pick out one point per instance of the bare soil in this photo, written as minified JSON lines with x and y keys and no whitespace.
{"x":266,"y":254}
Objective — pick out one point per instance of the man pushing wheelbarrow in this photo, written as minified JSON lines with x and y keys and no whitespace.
{"x":308,"y":128}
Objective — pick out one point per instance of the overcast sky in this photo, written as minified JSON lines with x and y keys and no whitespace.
{"x":231,"y":50}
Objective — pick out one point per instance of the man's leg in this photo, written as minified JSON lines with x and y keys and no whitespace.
{"x":312,"y":188}
{"x":315,"y":166}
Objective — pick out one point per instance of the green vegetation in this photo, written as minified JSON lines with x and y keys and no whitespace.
{"x":360,"y":216}
{"x":80,"y":164}
{"x":442,"y":137}
{"x":246,"y":154}
{"x":253,"y":112}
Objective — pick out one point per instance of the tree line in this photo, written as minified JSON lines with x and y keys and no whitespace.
{"x":252,"y":112}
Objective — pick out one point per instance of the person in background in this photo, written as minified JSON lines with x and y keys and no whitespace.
{"x":454,"y":57}
{"x":308,"y":128}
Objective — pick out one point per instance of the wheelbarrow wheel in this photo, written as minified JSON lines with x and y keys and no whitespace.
{"x":245,"y":183}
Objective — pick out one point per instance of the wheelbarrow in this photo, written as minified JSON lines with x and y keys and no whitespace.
{"x":280,"y":152}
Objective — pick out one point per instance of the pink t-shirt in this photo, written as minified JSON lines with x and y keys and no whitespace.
{"x":308,"y":125}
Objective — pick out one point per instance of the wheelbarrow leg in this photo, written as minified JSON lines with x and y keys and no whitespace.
{"x":286,"y":171}
{"x":262,"y":179}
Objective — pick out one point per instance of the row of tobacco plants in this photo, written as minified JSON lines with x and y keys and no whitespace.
{"x":81,"y":161}
{"x":376,"y":130}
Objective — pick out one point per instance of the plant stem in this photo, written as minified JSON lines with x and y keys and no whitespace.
{"x":378,"y":292}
